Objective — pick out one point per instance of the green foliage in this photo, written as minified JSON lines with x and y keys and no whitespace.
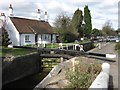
{"x":4,"y":38}
{"x":108,"y":30}
{"x":15,"y":51}
{"x":117,"y":46}
{"x":64,"y":28}
{"x":77,"y":21}
{"x":70,"y":30}
{"x":96,"y":32}
{"x":83,"y":75}
{"x":88,"y":22}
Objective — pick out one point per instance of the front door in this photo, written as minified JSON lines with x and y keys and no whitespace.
{"x":36,"y":38}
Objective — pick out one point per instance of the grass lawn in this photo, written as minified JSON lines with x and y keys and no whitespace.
{"x":18,"y":51}
{"x":14,"y":51}
{"x":56,"y":45}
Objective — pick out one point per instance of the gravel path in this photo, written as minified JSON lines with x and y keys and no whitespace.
{"x":110,"y":48}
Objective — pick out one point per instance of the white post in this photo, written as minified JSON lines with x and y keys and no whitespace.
{"x":73,"y":46}
{"x":117,"y":41}
{"x":99,"y":45}
{"x":81,"y":48}
{"x":39,"y":42}
{"x":60,"y":45}
{"x":44,"y":44}
{"x":73,"y":64}
{"x":67,"y":46}
{"x":106,"y":67}
{"x":61,"y":59}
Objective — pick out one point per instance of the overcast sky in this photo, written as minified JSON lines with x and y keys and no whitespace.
{"x":101,"y":10}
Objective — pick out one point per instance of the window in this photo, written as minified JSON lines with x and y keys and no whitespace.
{"x":45,"y":37}
{"x":27,"y":38}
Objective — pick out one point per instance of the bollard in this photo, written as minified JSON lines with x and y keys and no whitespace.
{"x":81,"y":48}
{"x":44,"y":44}
{"x":73,"y":46}
{"x":61,"y":59}
{"x":102,"y":80}
{"x":99,"y":45}
{"x":60,"y":46}
{"x":39,"y":42}
{"x":73,"y":64}
{"x":117,"y":41}
{"x":105,"y":67}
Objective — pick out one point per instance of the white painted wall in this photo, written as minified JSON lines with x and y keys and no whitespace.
{"x":44,"y":37}
{"x":19,"y":39}
{"x":13,"y":33}
{"x":31,"y":39}
{"x":39,"y":38}
{"x":54,"y":38}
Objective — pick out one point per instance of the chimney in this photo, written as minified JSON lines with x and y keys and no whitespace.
{"x":10,"y":10}
{"x":46,"y":17}
{"x":38,"y":14}
{"x":3,"y":17}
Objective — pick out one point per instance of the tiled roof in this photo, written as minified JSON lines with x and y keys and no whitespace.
{"x":29,"y":26}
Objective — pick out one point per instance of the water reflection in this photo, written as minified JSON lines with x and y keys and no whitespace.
{"x":29,"y":82}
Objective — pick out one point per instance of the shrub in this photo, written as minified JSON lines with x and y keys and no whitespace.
{"x":117,"y":47}
{"x":4,"y":38}
{"x":83,"y":75}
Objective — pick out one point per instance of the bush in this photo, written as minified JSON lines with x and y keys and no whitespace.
{"x":83,"y":75}
{"x":4,"y":38}
{"x":117,"y":47}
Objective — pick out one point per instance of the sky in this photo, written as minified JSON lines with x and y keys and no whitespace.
{"x":101,"y":10}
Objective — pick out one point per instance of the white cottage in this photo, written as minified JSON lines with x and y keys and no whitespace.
{"x":23,"y":31}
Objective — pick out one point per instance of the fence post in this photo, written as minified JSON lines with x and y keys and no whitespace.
{"x":73,"y":46}
{"x":81,"y":48}
{"x":99,"y":45}
{"x":61,"y":59}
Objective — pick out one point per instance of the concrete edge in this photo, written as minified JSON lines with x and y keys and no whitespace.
{"x":53,"y":73}
{"x":102,"y":79}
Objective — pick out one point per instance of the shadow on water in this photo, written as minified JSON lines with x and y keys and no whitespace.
{"x":27,"y":83}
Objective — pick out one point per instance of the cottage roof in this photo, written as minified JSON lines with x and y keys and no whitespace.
{"x":30,"y":26}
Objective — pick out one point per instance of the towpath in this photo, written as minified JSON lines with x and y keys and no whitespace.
{"x":109,"y":48}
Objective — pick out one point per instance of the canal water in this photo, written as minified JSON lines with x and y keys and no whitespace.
{"x":28,"y":82}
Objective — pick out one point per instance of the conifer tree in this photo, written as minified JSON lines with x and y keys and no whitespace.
{"x":77,"y":21}
{"x":88,"y":22}
{"x":5,"y":37}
